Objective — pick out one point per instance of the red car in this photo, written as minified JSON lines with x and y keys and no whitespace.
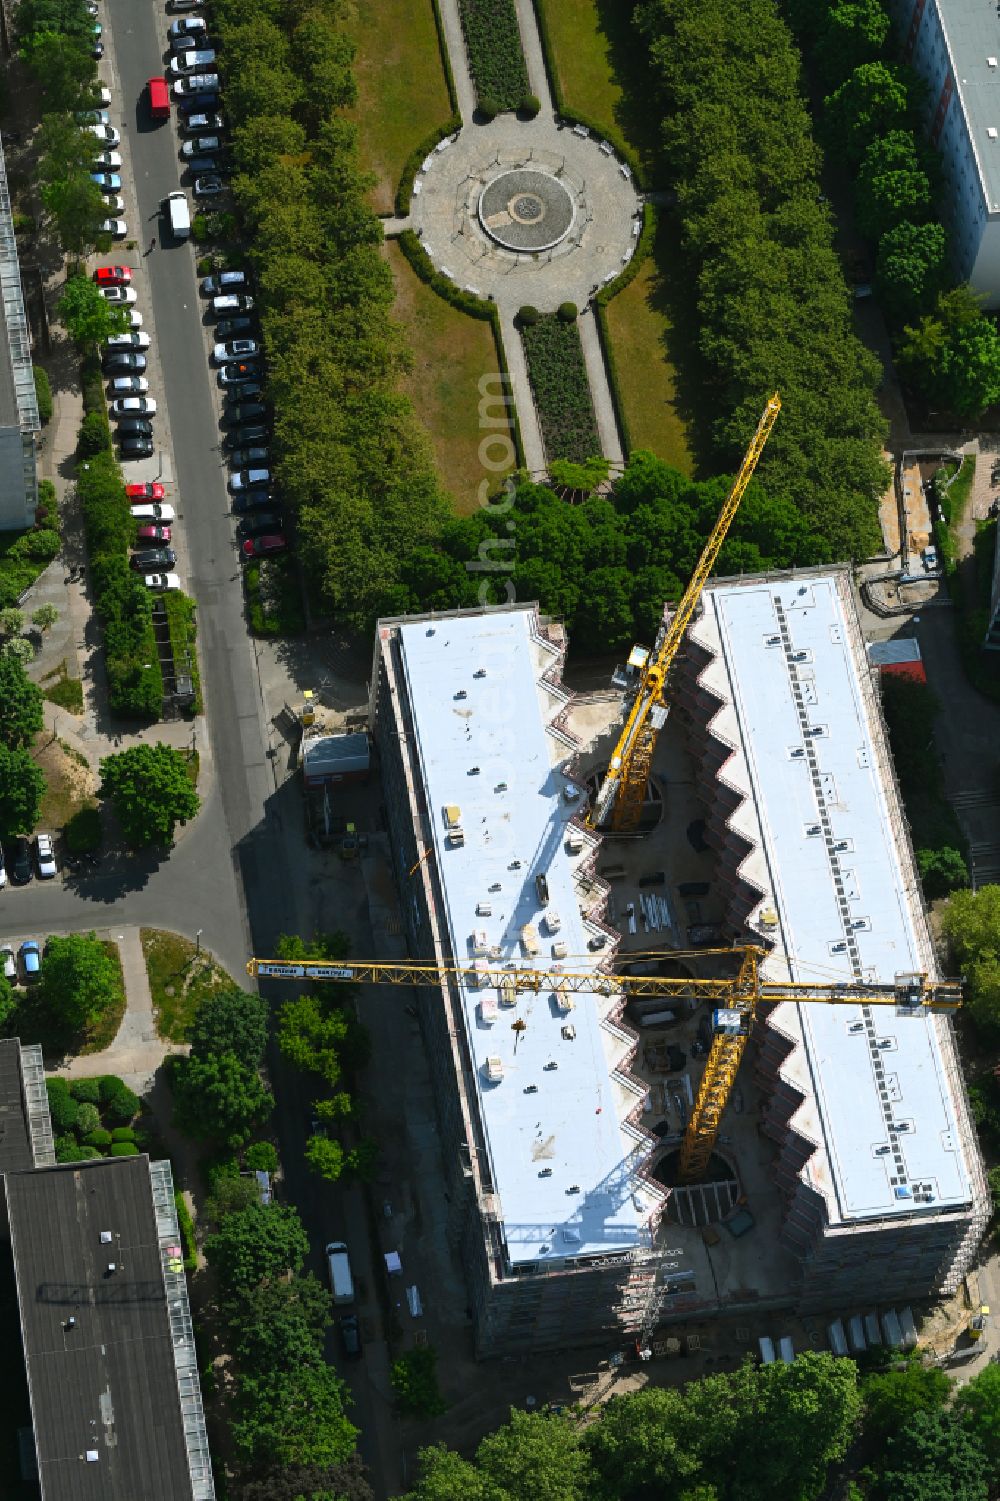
{"x":152,"y":534}
{"x":112,"y":276}
{"x":255,"y":547}
{"x":152,"y":491}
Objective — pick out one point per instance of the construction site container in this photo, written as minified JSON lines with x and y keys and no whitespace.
{"x":529,"y":939}
{"x":766,"y":1349}
{"x":838,"y":1340}
{"x":494,"y":1068}
{"x":786,"y":1349}
{"x":488,"y":1010}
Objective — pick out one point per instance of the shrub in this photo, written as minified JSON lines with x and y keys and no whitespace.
{"x":62,"y":1107}
{"x":82,"y":832}
{"x":124,"y":1149}
{"x":88,"y":1118}
{"x":86,"y":1091}
{"x":186,"y":1226}
{"x":414,"y":1380}
{"x":496,"y":58}
{"x":64,"y":1144}
{"x":488,"y":106}
{"x":119,"y":1103}
{"x":561,"y":389}
{"x":527,"y":315}
{"x":43,"y":395}
{"x":123,"y":1133}
{"x":262,"y":1157}
{"x":530,"y":105}
{"x":87,"y":1154}
{"x":568,"y":312}
{"x":94,"y":436}
{"x":40,"y":546}
{"x":100,"y":1138}
{"x":47,"y":510}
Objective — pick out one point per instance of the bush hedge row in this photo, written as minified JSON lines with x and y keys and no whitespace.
{"x":416,"y":158}
{"x":561,"y":388}
{"x":496,"y":57}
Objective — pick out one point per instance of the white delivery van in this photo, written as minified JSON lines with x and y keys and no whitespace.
{"x":175,"y":206}
{"x":339,"y":1267}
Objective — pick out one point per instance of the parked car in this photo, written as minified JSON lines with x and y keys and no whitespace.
{"x":223,"y":281}
{"x":155,"y":511}
{"x":204,"y":166}
{"x":133,"y":446}
{"x":46,"y":856}
{"x":161,"y":582}
{"x":120,"y":296}
{"x":249,"y":479}
{"x":114,"y":203}
{"x":134,"y":318}
{"x":258,"y":523}
{"x":232,"y":302}
{"x":209,"y":185}
{"x":3,"y":872}
{"x":184,"y":5}
{"x":107,"y":161}
{"x":201,"y":143}
{"x":9,"y":963}
{"x":198,"y":124}
{"x":116,"y":228}
{"x":189,"y":26}
{"x":226,"y":327}
{"x":134,"y":406}
{"x":239,"y":372}
{"x":198,"y":104}
{"x":19,"y":862}
{"x":929,"y":558}
{"x":113,"y":276}
{"x":97,"y":50}
{"x":128,"y":341}
{"x":237,"y":411}
{"x":152,"y":490}
{"x":152,"y":534}
{"x":128,"y":385}
{"x":136,"y":427}
{"x":193,"y":63}
{"x":108,"y":182}
{"x":247,"y":458}
{"x":105,"y":133}
{"x":260,"y":547}
{"x":30,"y":956}
{"x":94,"y":117}
{"x":153,"y":557}
{"x":123,"y":360}
{"x":250,"y":394}
{"x":252,"y":500}
{"x":196,"y":83}
{"x":250,"y":432}
{"x":350,"y":1335}
{"x":236,"y":349}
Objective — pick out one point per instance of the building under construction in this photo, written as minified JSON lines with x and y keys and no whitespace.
{"x":551,"y":1207}
{"x":883,"y":1192}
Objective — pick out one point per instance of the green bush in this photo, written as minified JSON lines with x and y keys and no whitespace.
{"x":43,"y":395}
{"x":39,"y":546}
{"x":47,"y":510}
{"x":568,"y":312}
{"x":530,"y":106}
{"x":527,"y":315}
{"x":124,"y":1149}
{"x":220,"y":1169}
{"x":82,"y":832}
{"x":100,"y":1138}
{"x":488,"y":106}
{"x":561,"y":389}
{"x":415,"y":1382}
{"x":261,"y":1157}
{"x":123,"y":1133}
{"x":186,"y":1225}
{"x":62,"y":1107}
{"x":94,"y":436}
{"x":88,"y":1119}
{"x":86,"y":1091}
{"x":118,"y":1101}
{"x":496,"y":58}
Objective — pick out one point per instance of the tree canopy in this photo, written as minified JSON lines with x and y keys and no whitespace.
{"x":258,"y":1244}
{"x":89,"y":317}
{"x":150,"y":791}
{"x":79,"y":980}
{"x":971,"y":922}
{"x":22,"y":787}
{"x":20,"y":705}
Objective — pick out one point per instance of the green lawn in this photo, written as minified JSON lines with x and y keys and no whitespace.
{"x":451,"y":354}
{"x":180,"y":978}
{"x":598,"y":67}
{"x":640,"y":327}
{"x":402,"y":94}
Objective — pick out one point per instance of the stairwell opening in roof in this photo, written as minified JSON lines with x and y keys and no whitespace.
{"x":704,"y":1203}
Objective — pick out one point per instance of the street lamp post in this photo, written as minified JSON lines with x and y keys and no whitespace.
{"x":197,"y":941}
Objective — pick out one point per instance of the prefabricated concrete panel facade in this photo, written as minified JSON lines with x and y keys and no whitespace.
{"x":882,"y":1181}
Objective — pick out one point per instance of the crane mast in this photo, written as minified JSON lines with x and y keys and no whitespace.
{"x":623,"y":792}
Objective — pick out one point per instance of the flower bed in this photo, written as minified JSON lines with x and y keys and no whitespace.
{"x":496,"y":58}
{"x":559,"y":383}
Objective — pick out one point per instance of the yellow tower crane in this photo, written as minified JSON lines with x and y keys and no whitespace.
{"x":736,"y":999}
{"x":623,"y":792}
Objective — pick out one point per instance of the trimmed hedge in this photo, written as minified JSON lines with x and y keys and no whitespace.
{"x":124,"y":1149}
{"x":186,"y":1225}
{"x":558,"y":376}
{"x":180,"y":610}
{"x":449,"y":76}
{"x":404,"y":193}
{"x":496,"y":56}
{"x":465,"y":302}
{"x":43,"y":394}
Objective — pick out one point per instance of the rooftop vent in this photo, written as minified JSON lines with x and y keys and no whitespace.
{"x":484,"y":909}
{"x":568,"y":1032}
{"x":480,"y":672}
{"x":531,"y":1089}
{"x":550,"y":1066}
{"x":574,"y":1188}
{"x":991,"y":62}
{"x":461,"y":693}
{"x":545,"y":1172}
{"x":991,"y":131}
{"x":105,"y":1237}
{"x":473,"y":771}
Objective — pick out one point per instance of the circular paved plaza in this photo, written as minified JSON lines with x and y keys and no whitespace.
{"x":525,"y":211}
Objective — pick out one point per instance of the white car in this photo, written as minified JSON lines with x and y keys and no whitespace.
{"x":119,"y":296}
{"x":9,"y":963}
{"x":237,"y":349}
{"x":107,"y":161}
{"x":129,"y":385}
{"x":127,"y":341}
{"x":134,"y":406}
{"x":201,"y":145}
{"x":156,"y":510}
{"x":116,"y":228}
{"x":191,"y":62}
{"x":106,"y":134}
{"x":114,"y":202}
{"x":103,"y":95}
{"x":134,"y":318}
{"x":3,"y":872}
{"x":46,"y":856}
{"x":161,"y":581}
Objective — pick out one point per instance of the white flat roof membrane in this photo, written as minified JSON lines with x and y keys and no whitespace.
{"x":567,"y":1127}
{"x":883,"y":1106}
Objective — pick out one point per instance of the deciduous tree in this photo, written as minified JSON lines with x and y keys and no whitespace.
{"x":79,"y":981}
{"x":21,"y":715}
{"x":231,"y":1021}
{"x":89,"y":317}
{"x":218,"y":1097}
{"x":971,"y":923}
{"x":22,"y":787}
{"x":294,"y":1416}
{"x":150,"y":791}
{"x":261,"y":1243}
